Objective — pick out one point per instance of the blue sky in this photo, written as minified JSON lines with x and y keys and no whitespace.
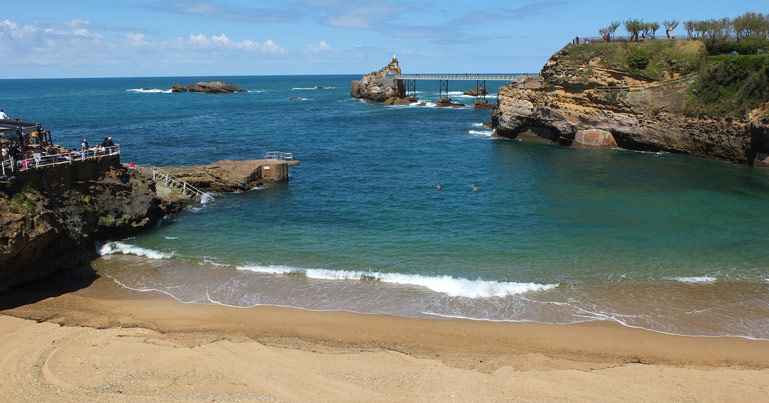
{"x":95,"y":38}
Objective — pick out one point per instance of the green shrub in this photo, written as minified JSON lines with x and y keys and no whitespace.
{"x":638,"y":59}
{"x":730,"y":85}
{"x":746,"y":46}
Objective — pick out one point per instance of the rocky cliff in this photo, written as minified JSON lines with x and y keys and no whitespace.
{"x":586,"y":96}
{"x":51,"y":219}
{"x":378,"y":87}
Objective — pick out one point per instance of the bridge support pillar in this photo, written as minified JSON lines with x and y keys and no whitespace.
{"x":411,"y":88}
{"x":443,"y":91}
{"x":400,"y":88}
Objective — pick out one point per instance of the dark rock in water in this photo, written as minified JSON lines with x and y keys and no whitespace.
{"x":399,"y":101}
{"x":448,"y":103}
{"x":210,"y":87}
{"x":475,"y":93}
{"x":379,"y":86}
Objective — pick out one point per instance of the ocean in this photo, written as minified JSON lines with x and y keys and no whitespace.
{"x":519,"y":232}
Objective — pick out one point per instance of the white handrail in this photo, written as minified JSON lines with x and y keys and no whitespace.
{"x":7,"y":166}
{"x":279,"y":155}
{"x":67,"y":158}
{"x":183,"y":186}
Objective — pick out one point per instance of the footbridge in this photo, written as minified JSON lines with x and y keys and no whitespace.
{"x":407,"y":83}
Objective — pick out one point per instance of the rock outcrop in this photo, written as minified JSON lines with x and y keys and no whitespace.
{"x":210,"y":87}
{"x":52,"y":219}
{"x":379,"y":86}
{"x":232,"y":176}
{"x":592,"y":104}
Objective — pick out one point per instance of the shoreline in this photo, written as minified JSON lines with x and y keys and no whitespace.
{"x":96,"y":341}
{"x":105,"y":304}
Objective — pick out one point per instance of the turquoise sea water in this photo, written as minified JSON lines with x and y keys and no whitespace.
{"x":662,"y":241}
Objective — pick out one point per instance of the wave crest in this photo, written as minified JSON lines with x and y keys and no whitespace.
{"x":149,"y":91}
{"x":451,"y":286}
{"x":120,"y":248}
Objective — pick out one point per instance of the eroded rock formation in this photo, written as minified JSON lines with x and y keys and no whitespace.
{"x":590,"y":104}
{"x":379,"y":86}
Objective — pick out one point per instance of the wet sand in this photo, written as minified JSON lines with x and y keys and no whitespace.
{"x":89,"y":340}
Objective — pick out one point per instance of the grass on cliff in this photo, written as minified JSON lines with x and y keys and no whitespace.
{"x":654,"y":60}
{"x":726,"y":85}
{"x":730,"y":86}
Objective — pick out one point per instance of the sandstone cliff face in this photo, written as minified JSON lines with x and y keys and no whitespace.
{"x":377,"y":86}
{"x":593,"y":105}
{"x":48,"y":224}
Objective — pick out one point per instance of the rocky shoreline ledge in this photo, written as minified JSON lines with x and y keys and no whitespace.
{"x":52,"y":219}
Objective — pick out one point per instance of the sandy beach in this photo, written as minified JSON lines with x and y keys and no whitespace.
{"x":89,"y":340}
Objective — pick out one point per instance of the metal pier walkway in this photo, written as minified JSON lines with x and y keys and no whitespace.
{"x":462,"y":77}
{"x":407,"y":84}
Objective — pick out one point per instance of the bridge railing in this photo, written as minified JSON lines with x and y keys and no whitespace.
{"x":462,"y":77}
{"x":279,"y":155}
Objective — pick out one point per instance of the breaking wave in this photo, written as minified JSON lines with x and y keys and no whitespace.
{"x":312,"y":88}
{"x":120,"y":248}
{"x":149,"y":91}
{"x":696,"y":280}
{"x":482,"y":133}
{"x":451,"y":286}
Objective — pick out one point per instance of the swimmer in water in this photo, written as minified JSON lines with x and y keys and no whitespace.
{"x":475,"y":187}
{"x":439,"y":187}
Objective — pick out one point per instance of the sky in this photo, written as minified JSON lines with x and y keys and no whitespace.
{"x":141,"y":38}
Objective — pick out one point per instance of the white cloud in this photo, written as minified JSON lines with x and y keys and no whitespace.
{"x":319,"y":47}
{"x":136,"y":39}
{"x":77,"y":46}
{"x":222,"y":41}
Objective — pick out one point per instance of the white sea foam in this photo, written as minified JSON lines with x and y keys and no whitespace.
{"x":149,"y":91}
{"x":482,"y":133}
{"x":425,"y":104}
{"x":478,"y":125}
{"x":312,"y":88}
{"x":255,"y":91}
{"x":452,"y":286}
{"x":171,"y":238}
{"x":696,"y":280}
{"x":206,"y":198}
{"x":115,"y":248}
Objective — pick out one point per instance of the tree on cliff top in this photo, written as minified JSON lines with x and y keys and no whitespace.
{"x":608,"y":32}
{"x":670,"y":26}
{"x":634,"y":28}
